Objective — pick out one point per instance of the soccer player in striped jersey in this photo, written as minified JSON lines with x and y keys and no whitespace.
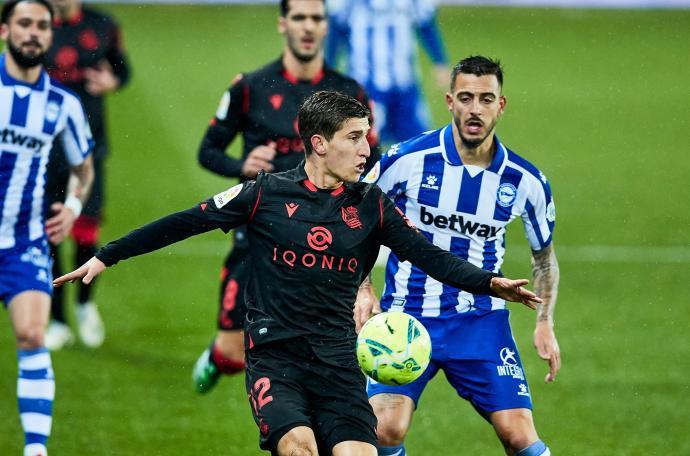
{"x":461,"y":186}
{"x":34,"y":110}
{"x":381,"y":40}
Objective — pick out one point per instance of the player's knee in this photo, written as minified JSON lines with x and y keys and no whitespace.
{"x":391,"y":432}
{"x":516,"y":430}
{"x":30,"y":336}
{"x":297,"y":443}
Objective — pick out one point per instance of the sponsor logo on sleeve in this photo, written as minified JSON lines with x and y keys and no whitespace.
{"x":225,"y":197}
{"x":551,"y":212}
{"x":223,"y":106}
{"x":373,"y":175}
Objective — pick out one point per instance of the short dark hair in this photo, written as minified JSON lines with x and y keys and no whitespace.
{"x":477,"y":65}
{"x":324,"y":113}
{"x":285,"y":7}
{"x":8,"y":8}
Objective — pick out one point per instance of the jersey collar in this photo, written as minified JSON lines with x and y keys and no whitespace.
{"x":292,"y":79}
{"x":452,"y":155}
{"x":8,"y":80}
{"x":309,"y":185}
{"x":57,"y":22}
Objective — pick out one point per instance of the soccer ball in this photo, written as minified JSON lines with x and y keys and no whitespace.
{"x":393,"y":348}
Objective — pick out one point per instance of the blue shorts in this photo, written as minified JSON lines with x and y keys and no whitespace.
{"x":25,"y":269}
{"x":399,"y":114}
{"x":478,"y":355}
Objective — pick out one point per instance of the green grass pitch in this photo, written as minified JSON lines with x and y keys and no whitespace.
{"x":598,"y":99}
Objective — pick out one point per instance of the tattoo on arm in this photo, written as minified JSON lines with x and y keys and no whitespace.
{"x":545,"y":274}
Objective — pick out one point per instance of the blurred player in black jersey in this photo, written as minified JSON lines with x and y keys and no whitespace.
{"x":314,"y":233}
{"x":262,"y":106}
{"x":87,"y":57}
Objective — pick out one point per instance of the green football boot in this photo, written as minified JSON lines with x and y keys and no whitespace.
{"x":205,"y":374}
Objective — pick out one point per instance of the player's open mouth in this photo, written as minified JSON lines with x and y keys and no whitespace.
{"x":360,"y":168}
{"x":308,"y":42}
{"x":474,"y":126}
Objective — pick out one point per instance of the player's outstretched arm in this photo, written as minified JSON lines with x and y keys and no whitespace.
{"x":512,"y":290}
{"x":85,"y":272}
{"x":409,"y":244}
{"x":546,"y":275}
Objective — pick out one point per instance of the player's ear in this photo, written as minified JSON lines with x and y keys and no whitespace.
{"x":502,"y":101}
{"x":449,"y":101}
{"x":281,"y":24}
{"x":3,"y":32}
{"x":318,"y":144}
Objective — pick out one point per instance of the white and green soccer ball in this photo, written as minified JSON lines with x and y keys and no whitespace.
{"x":393,"y":348}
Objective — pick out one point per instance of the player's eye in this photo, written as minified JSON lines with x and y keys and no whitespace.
{"x":299,"y":17}
{"x":44,"y":25}
{"x":317,"y":18}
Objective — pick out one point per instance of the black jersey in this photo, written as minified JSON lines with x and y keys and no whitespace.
{"x":82,"y":43}
{"x":263,"y":107}
{"x":310,"y":250}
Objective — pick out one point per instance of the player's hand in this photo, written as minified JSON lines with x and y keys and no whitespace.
{"x":86,"y":272}
{"x":547,"y":348}
{"x":511,"y":290}
{"x":259,"y":159}
{"x":101,"y":79}
{"x":60,"y":224}
{"x":366,"y":305}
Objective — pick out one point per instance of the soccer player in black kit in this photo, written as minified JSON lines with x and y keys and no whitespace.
{"x":262,"y":106}
{"x":314,"y":234}
{"x":87,"y":56}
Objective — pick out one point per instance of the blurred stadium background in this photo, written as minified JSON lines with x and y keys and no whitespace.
{"x":598,"y":98}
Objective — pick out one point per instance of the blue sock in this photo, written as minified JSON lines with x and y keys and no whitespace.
{"x":35,"y":394}
{"x":392,"y":450}
{"x":538,"y":448}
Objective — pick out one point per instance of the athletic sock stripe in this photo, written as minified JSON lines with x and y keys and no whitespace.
{"x":38,"y":374}
{"x":31,"y":438}
{"x":36,"y":423}
{"x":43,"y":406}
{"x":36,"y":389}
{"x":40,"y":360}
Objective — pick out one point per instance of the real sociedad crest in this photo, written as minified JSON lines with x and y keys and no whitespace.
{"x":506,"y":194}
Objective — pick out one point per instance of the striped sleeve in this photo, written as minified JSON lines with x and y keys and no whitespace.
{"x":384,"y":172}
{"x":76,"y":137}
{"x":539,"y":215}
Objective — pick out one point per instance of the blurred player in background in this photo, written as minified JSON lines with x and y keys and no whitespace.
{"x":381,"y":40}
{"x":86,"y":56}
{"x":34,"y":111}
{"x":314,"y":232}
{"x":461,"y":186}
{"x":263,"y":106}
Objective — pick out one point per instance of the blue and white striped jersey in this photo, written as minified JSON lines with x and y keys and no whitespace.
{"x":31,"y":117}
{"x":381,"y":37}
{"x":462,"y":208}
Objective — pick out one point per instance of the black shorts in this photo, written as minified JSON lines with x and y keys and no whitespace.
{"x":289,"y":386}
{"x":233,"y":280}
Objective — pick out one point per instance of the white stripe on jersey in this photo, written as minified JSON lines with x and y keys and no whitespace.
{"x":31,"y":117}
{"x":383,"y":43}
{"x":465,"y":210}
